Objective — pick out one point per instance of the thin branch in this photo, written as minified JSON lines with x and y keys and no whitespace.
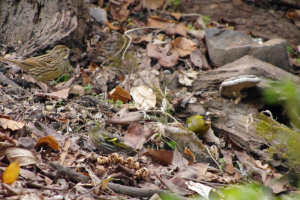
{"x":214,"y":159}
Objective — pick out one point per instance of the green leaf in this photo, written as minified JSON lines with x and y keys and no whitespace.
{"x":171,"y":144}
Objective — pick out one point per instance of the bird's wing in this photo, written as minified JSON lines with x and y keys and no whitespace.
{"x":31,"y":61}
{"x":117,"y":142}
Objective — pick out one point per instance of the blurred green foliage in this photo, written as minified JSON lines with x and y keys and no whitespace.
{"x":287,"y":94}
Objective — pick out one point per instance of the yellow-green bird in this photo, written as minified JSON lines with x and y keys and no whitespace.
{"x":199,"y":124}
{"x":105,"y":141}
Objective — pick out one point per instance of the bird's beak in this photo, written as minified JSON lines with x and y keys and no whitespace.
{"x":208,"y":121}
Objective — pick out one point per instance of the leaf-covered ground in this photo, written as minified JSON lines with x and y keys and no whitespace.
{"x":123,"y":81}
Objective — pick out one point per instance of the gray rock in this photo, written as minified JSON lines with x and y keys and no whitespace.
{"x":226,"y":46}
{"x":98,"y":14}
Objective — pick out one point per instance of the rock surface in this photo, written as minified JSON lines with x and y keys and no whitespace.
{"x":98,"y":14}
{"x":226,"y":46}
{"x":265,"y":19}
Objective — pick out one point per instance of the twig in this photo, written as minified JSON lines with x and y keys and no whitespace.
{"x":94,"y":186}
{"x":186,"y":62}
{"x":141,"y":192}
{"x":72,"y":175}
{"x":130,"y":38}
{"x":214,"y":159}
{"x":114,"y":55}
{"x":205,"y":182}
{"x":163,"y":112}
{"x":98,"y":102}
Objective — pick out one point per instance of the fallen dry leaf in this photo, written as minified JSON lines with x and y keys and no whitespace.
{"x":153,"y":4}
{"x":183,"y":46}
{"x":176,"y":15}
{"x":144,"y":97}
{"x":199,"y":60}
{"x":77,"y":89}
{"x":187,"y":78}
{"x":178,"y":160}
{"x":171,"y":27}
{"x":50,"y":141}
{"x":171,"y":186}
{"x":229,"y":168}
{"x":120,"y":94}
{"x":124,"y":117}
{"x":119,"y":10}
{"x":62,"y":94}
{"x":199,"y":34}
{"x":136,"y":135}
{"x":190,"y":154}
{"x":23,"y":156}
{"x":7,"y":123}
{"x":201,"y":189}
{"x":11,"y":173}
{"x":160,"y":54}
{"x":161,"y":156}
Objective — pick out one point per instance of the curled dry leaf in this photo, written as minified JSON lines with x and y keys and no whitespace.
{"x":120,"y":94}
{"x":124,"y":117}
{"x":49,"y":131}
{"x":190,"y":154}
{"x":201,"y":189}
{"x":199,"y":60}
{"x":171,"y":27}
{"x":23,"y":156}
{"x":183,"y":46}
{"x":105,"y":183}
{"x":160,"y":54}
{"x":50,"y":141}
{"x":209,"y":136}
{"x":62,"y":94}
{"x":144,"y":97}
{"x":7,"y":123}
{"x":119,"y":10}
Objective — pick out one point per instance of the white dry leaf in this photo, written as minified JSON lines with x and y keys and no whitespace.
{"x":187,"y":79}
{"x":144,"y":97}
{"x":184,"y":80}
{"x":201,"y":189}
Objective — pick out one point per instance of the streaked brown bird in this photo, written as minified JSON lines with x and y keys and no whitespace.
{"x":45,"y":67}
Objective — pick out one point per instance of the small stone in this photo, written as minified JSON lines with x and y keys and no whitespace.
{"x":98,"y":14}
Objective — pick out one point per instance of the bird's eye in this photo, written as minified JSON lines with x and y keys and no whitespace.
{"x":65,"y":49}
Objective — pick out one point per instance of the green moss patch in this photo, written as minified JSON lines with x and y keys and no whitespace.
{"x":288,"y":141}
